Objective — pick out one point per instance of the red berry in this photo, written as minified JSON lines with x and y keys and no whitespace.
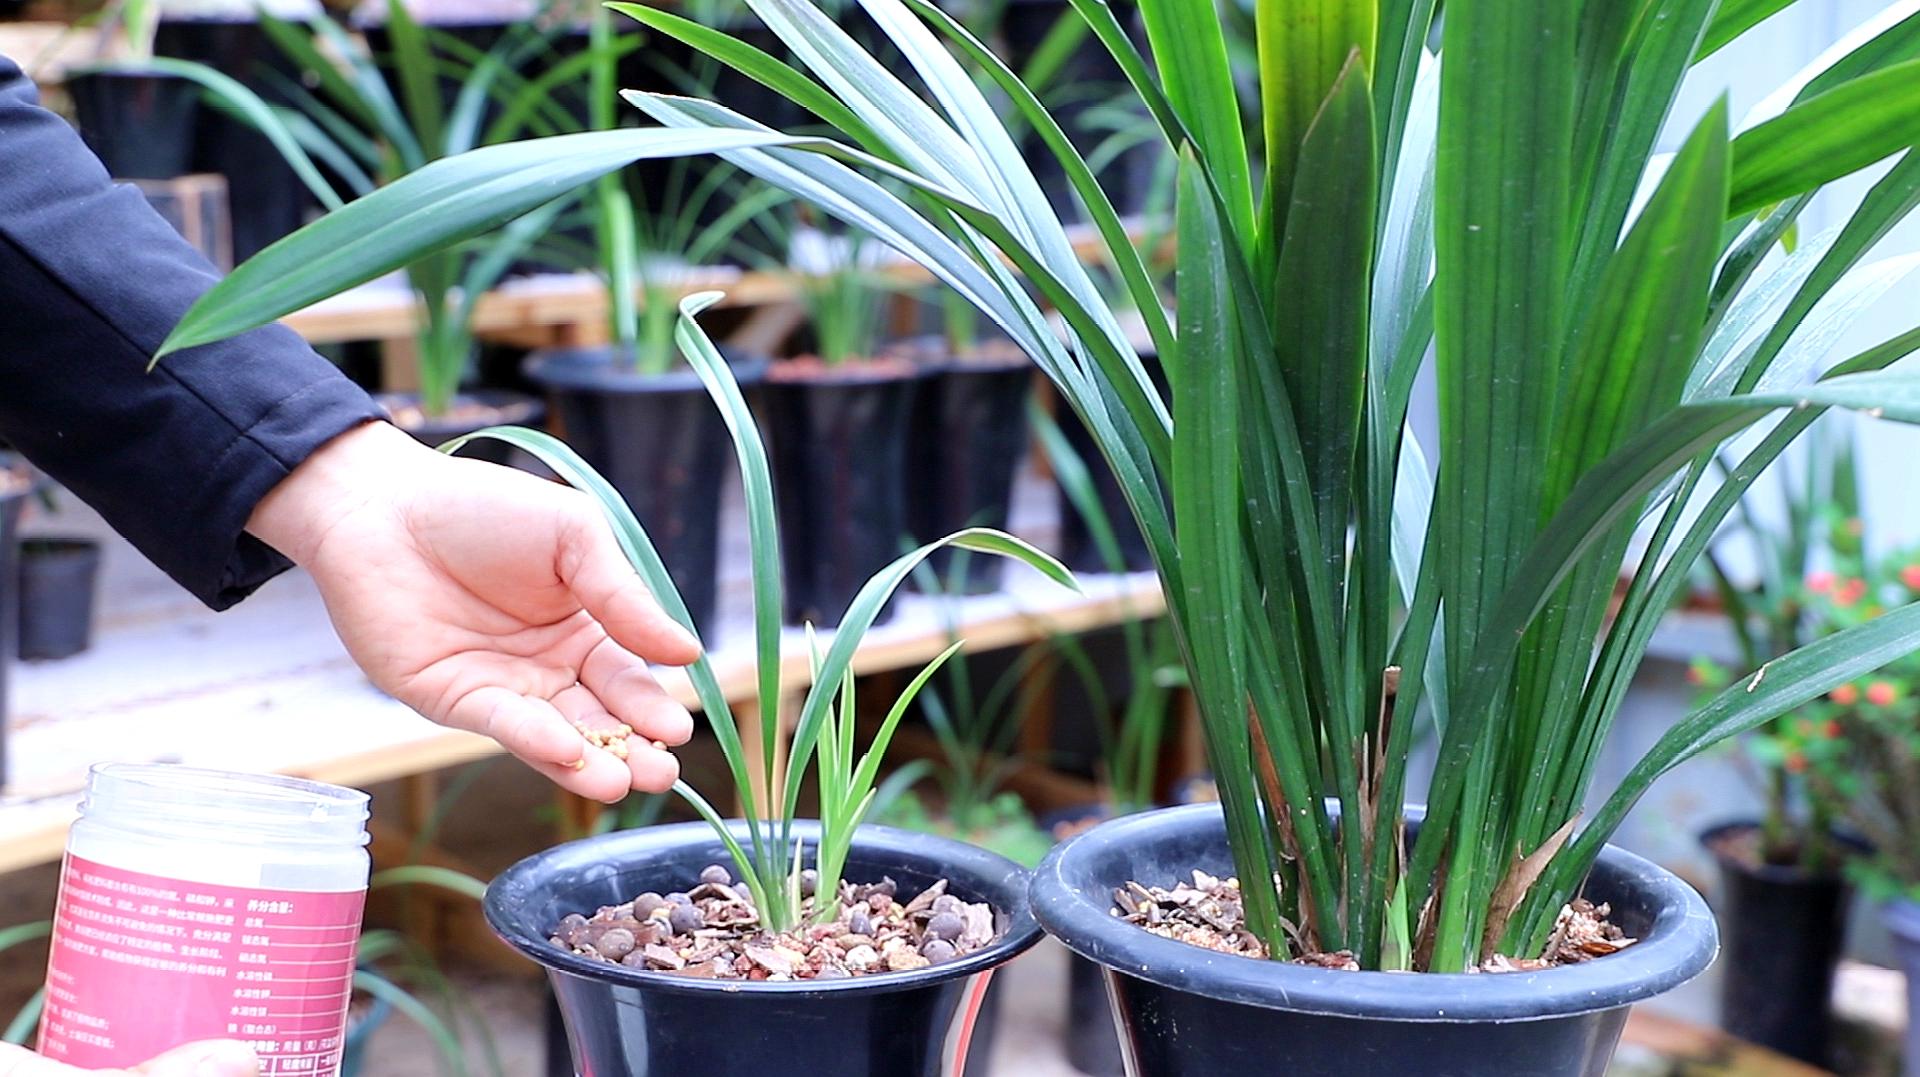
{"x":1882,"y":694}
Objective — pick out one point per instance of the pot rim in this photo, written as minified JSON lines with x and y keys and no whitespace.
{"x":591,"y":368}
{"x":1681,"y":943}
{"x":957,"y":861}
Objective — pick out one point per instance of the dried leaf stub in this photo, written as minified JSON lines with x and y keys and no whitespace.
{"x":1582,"y":933}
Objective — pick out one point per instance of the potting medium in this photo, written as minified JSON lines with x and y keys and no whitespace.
{"x":198,"y":904}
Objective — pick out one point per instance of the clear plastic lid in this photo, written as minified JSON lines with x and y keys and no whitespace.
{"x":215,"y":805}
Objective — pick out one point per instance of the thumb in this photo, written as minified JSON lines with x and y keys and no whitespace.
{"x":595,"y":570}
{"x":213,"y":1058}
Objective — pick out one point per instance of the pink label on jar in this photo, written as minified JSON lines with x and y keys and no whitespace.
{"x":143,"y":963}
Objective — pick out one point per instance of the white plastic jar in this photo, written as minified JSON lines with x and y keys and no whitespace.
{"x":201,"y":904}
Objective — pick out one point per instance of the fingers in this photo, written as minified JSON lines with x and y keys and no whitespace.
{"x":537,"y":732}
{"x":626,"y":687}
{"x":20,"y":1062}
{"x":216,"y":1058}
{"x":649,"y":768}
{"x":592,"y":565}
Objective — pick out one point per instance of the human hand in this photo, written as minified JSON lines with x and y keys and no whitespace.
{"x":214,"y":1058}
{"x":488,"y":600}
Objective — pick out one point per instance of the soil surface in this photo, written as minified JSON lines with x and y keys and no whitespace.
{"x":1208,"y":912}
{"x":713,"y":932}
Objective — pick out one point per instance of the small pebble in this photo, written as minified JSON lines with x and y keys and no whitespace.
{"x":715,"y":875}
{"x":880,"y":902}
{"x":679,"y":898}
{"x":948,"y":903}
{"x":906,"y":961}
{"x":859,"y":922}
{"x":615,"y":943}
{"x":863,"y":959}
{"x":937,"y":950}
{"x":809,"y":882}
{"x":685,"y":919}
{"x":644,"y":905}
{"x":946,"y":925}
{"x":572,"y":929}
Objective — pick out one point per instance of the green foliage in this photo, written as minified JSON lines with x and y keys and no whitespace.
{"x":352,"y":123}
{"x":1001,"y":823}
{"x":1856,"y":749}
{"x":1601,"y":319}
{"x":846,"y":301}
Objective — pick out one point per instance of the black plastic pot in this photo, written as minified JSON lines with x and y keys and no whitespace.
{"x":469,"y":412}
{"x":265,"y":198}
{"x":661,"y":442}
{"x":1785,"y":929}
{"x":623,"y":1022}
{"x":1187,"y":1011}
{"x":57,"y":577}
{"x":14,"y":491}
{"x":139,"y":123}
{"x":1077,"y":547}
{"x":1903,"y":923}
{"x":968,"y":432}
{"x":839,"y":470}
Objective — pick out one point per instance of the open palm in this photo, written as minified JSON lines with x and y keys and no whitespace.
{"x":491,"y":601}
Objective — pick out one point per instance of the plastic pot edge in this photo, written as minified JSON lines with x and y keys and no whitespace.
{"x":960,"y":862}
{"x":1682,"y":942}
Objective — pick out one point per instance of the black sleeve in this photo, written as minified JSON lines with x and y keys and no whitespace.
{"x":91,"y":280}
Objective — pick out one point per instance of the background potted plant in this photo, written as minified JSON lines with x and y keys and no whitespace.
{"x":138,"y":119}
{"x":630,"y":407}
{"x":966,"y":439}
{"x":355,"y":132}
{"x":837,"y":418}
{"x":1858,"y":747}
{"x":1784,"y":900}
{"x":1304,"y":645}
{"x":265,"y":197}
{"x":55,"y":588}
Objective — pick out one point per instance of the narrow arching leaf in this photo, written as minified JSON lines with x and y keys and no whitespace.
{"x":1306,"y":47}
{"x":1825,"y":137}
{"x":1321,"y":293}
{"x":440,"y":204}
{"x":1736,"y":17}
{"x":1191,"y":54}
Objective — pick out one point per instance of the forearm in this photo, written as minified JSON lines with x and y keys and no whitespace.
{"x":91,"y":280}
